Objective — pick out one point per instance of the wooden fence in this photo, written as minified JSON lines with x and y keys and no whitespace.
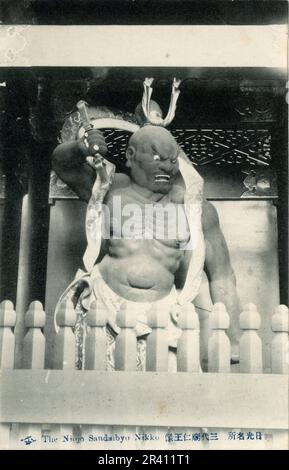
{"x":187,"y":409}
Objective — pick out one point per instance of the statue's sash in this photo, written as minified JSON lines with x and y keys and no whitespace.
{"x":193,"y":201}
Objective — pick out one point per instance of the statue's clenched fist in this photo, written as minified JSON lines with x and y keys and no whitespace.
{"x":92,"y":143}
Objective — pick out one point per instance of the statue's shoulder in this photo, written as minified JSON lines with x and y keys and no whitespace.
{"x":119,"y":187}
{"x":120,"y":181}
{"x":177,"y":194}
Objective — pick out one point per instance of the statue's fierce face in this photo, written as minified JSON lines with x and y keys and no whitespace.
{"x":152,"y":157}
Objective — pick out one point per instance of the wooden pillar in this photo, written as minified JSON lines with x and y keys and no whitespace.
{"x":280,"y":161}
{"x":12,"y":128}
{"x":2,"y":176}
{"x":43,"y":141}
{"x":35,"y":210}
{"x":24,"y":275}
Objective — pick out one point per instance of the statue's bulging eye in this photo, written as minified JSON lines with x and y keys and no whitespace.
{"x":156,"y":158}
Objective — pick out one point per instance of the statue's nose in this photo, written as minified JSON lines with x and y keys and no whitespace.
{"x":166,"y":165}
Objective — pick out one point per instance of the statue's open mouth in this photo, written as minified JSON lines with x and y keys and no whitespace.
{"x":162,"y":178}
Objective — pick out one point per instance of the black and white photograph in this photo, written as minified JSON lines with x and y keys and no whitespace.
{"x":144,"y":227}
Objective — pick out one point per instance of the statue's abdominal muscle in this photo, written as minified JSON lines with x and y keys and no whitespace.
{"x":145,"y":262}
{"x":146,"y":258}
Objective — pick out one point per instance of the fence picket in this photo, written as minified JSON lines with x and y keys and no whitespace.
{"x":125,"y":343}
{"x":65,"y":339}
{"x":280,"y":362}
{"x":219,"y":353}
{"x":157,"y":356}
{"x":219,"y":343}
{"x":33,"y":358}
{"x":188,"y":360}
{"x":250,"y":355}
{"x":250,"y":342}
{"x":95,"y":344}
{"x":34,"y":340}
{"x":7,"y":347}
{"x":188,"y":349}
{"x":157,"y":351}
{"x":280,"y":351}
{"x":125,"y":355}
{"x":7,"y":339}
{"x":65,"y":359}
{"x":96,"y":355}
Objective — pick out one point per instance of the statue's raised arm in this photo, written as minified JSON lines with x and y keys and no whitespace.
{"x":78,"y":162}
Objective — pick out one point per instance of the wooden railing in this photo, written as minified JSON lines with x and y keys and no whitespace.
{"x":186,"y":409}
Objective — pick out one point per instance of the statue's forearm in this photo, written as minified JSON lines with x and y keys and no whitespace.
{"x":67,"y":156}
{"x":224,"y":290}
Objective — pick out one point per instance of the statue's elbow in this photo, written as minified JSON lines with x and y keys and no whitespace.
{"x":231,"y":277}
{"x":228,"y":278}
{"x":56,"y":163}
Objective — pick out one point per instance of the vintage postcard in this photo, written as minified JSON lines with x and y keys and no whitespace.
{"x":144,"y":228}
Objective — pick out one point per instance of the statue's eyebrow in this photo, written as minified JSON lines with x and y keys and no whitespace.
{"x":156,"y":151}
{"x":174,"y":153}
{"x":154,"y":148}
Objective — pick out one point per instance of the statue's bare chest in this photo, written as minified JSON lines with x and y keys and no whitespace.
{"x":132,"y":216}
